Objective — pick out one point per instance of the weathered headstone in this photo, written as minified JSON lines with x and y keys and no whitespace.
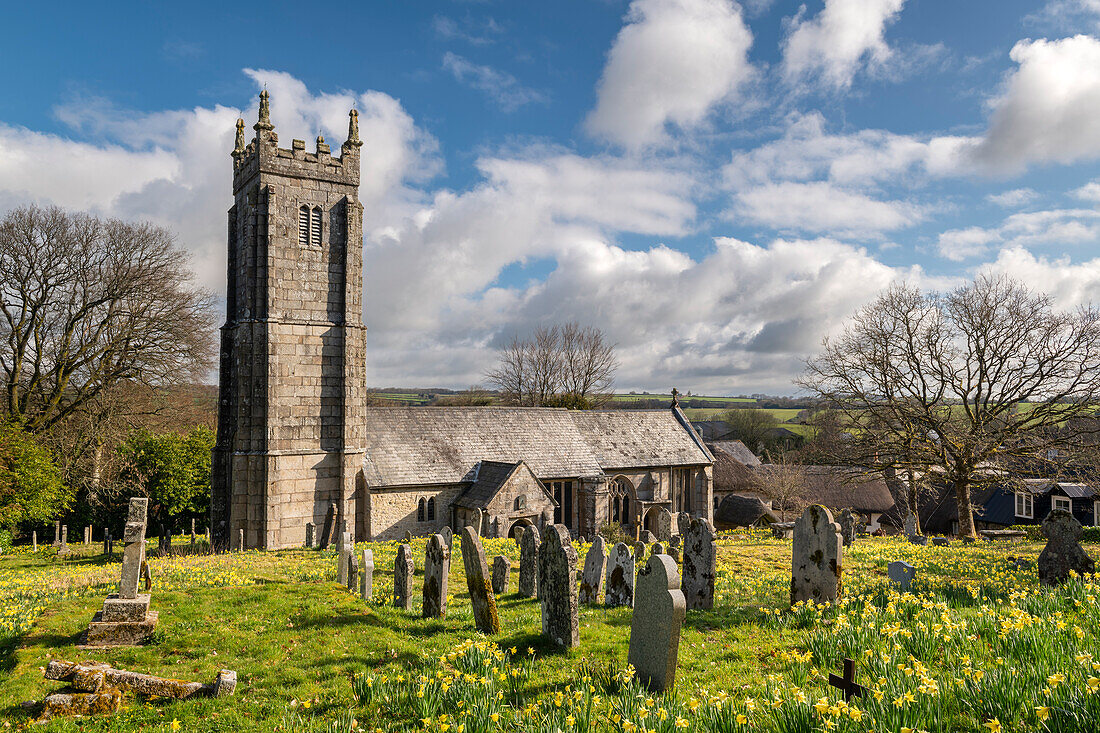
{"x":366,"y":583}
{"x":901,"y":573}
{"x":352,"y":583}
{"x":816,"y":558}
{"x":448,"y":536}
{"x":529,"y":562}
{"x":595,"y":566}
{"x":34,"y":541}
{"x":88,"y":535}
{"x":558,"y":586}
{"x":403,"y":568}
{"x":657,"y":549}
{"x":477,"y":520}
{"x":408,"y":537}
{"x":310,"y":530}
{"x":919,"y":539}
{"x":659,"y":610}
{"x":328,"y":532}
{"x":783,"y":530}
{"x":910,"y":526}
{"x":647,"y":537}
{"x":847,"y":522}
{"x":674,"y":546}
{"x":344,"y":552}
{"x":1063,"y":553}
{"x":479,"y":583}
{"x":240,"y":540}
{"x":437,"y":570}
{"x":502,"y":569}
{"x":700,"y":565}
{"x":639,"y":552}
{"x":664,"y":524}
{"x":683,"y":521}
{"x":63,"y":548}
{"x":108,"y":547}
{"x":620,"y":577}
{"x":126,"y":619}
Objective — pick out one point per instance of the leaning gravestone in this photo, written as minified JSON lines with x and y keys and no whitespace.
{"x":502,"y":569}
{"x":352,"y":583}
{"x":1063,"y":553}
{"x":847,"y":522}
{"x":558,"y":586}
{"x":664,"y":524}
{"x":700,"y":557}
{"x":910,"y":526}
{"x":902,"y":574}
{"x":816,"y":558}
{"x":366,"y":584}
{"x":479,"y":583}
{"x":437,"y":569}
{"x":403,"y":568}
{"x":659,"y":611}
{"x":647,"y":537}
{"x":529,"y":563}
{"x":126,"y":619}
{"x":620,"y":577}
{"x":595,"y":565}
{"x":328,"y":532}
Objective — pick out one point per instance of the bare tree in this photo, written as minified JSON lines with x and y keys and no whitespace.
{"x":753,"y":427}
{"x":958,"y":383}
{"x":785,"y":481}
{"x":567,"y":365}
{"x":87,"y":303}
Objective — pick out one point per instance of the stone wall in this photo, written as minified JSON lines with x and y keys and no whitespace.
{"x":393,"y":511}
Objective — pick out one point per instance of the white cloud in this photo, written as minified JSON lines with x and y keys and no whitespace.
{"x":823,"y":207}
{"x":964,"y":244}
{"x":846,"y":36}
{"x":672,"y":63}
{"x":1069,"y":283}
{"x":503,"y":88}
{"x":1049,"y":108}
{"x":1089,"y":192}
{"x":1013,"y":199}
{"x":1057,"y":227}
{"x":1067,"y":15}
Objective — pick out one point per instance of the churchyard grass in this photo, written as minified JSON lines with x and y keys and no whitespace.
{"x":977,"y":646}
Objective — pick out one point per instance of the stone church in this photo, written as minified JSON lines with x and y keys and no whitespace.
{"x":295,"y":435}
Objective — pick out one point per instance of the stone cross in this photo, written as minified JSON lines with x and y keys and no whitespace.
{"x":659,"y":610}
{"x":847,"y":683}
{"x":816,"y":557}
{"x":437,"y":570}
{"x":502,"y":569}
{"x":700,"y":565}
{"x":328,"y":532}
{"x":529,"y":562}
{"x":479,"y":583}
{"x":366,"y":583}
{"x":1063,"y":551}
{"x":901,"y":573}
{"x":448,"y":536}
{"x":353,"y":569}
{"x":620,"y":577}
{"x":403,"y":578}
{"x":558,"y":586}
{"x":133,"y":554}
{"x":310,"y":530}
{"x":595,"y":567}
{"x":57,"y":533}
{"x":847,"y":522}
{"x":664,"y":524}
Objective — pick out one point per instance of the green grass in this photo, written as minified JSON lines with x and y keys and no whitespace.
{"x":292,"y":634}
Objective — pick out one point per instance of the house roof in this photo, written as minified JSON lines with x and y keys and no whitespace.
{"x":1077,"y":491}
{"x":841,"y":487}
{"x":712,"y":429}
{"x":488,"y":479}
{"x":732,"y":474}
{"x":742,"y":511}
{"x":411,"y":446}
{"x":735,"y":448}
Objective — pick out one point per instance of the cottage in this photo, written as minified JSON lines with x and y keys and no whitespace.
{"x":1006,"y":502}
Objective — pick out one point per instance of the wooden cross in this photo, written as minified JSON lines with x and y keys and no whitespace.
{"x":847,"y":683}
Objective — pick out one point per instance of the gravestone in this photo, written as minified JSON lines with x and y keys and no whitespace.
{"x":639,"y":551}
{"x":108,"y":544}
{"x":782,"y":530}
{"x":816,"y":558}
{"x":408,"y":537}
{"x":448,"y":536}
{"x":63,"y":548}
{"x":674,"y":546}
{"x":34,"y":541}
{"x":657,"y":549}
{"x":664,"y":524}
{"x":352,"y":583}
{"x":502,"y":569}
{"x":477,"y":519}
{"x":699,"y":565}
{"x":57,"y":533}
{"x":328,"y":531}
{"x":919,"y":540}
{"x":366,"y":583}
{"x":620,"y":577}
{"x":847,"y":522}
{"x":437,"y":570}
{"x":479,"y":583}
{"x":403,"y":568}
{"x":529,"y":563}
{"x":595,"y":566}
{"x":88,"y":535}
{"x":126,"y":619}
{"x":969,"y":540}
{"x":901,"y":573}
{"x":659,"y":610}
{"x":1063,"y":552}
{"x":310,"y":530}
{"x":910,"y":526}
{"x":240,"y":540}
{"x":647,"y":537}
{"x":558,"y":586}
{"x":941,"y":542}
{"x":344,"y":551}
{"x":683,"y":521}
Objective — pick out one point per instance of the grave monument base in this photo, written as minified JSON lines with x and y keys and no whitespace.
{"x":119,"y":633}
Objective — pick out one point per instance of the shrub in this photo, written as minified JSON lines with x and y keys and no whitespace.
{"x":31,"y":489}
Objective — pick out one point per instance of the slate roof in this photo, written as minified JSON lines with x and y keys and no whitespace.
{"x":413,"y":446}
{"x":737,"y":449}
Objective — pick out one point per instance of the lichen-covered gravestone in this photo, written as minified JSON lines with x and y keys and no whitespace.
{"x":847,"y":522}
{"x":529,"y":563}
{"x":310,"y":530}
{"x":595,"y":566}
{"x":910,"y":526}
{"x":502,"y":569}
{"x":126,"y":619}
{"x":558,"y":586}
{"x":902,"y":574}
{"x":699,"y":565}
{"x":659,"y":610}
{"x":448,"y":536}
{"x":344,"y":550}
{"x":1063,"y":552}
{"x":479,"y":583}
{"x":657,"y":549}
{"x":437,"y":569}
{"x":816,"y":558}
{"x":366,"y":583}
{"x":403,"y":568}
{"x":674,"y":547}
{"x":683,"y":521}
{"x":353,"y":569}
{"x":647,"y":537}
{"x":639,"y":551}
{"x":620,"y":577}
{"x":664,"y":524}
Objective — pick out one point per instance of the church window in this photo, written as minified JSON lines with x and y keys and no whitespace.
{"x":431,"y":509}
{"x":309,"y":226}
{"x":303,"y":226}
{"x":420,"y":507}
{"x":614,"y":508}
{"x":315,"y":227}
{"x":624,"y":515}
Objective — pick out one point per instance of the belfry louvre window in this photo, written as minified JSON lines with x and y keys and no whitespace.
{"x":309,"y":226}
{"x":303,"y":226}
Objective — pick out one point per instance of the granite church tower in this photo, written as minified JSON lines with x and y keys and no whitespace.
{"x":293,"y":348}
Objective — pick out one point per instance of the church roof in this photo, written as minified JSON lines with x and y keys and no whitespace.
{"x":411,"y":446}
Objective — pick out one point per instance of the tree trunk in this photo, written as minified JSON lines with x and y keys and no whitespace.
{"x":966,"y":511}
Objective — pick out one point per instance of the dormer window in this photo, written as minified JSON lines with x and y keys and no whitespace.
{"x":309,"y":226}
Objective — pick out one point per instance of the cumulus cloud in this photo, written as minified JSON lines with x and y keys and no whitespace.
{"x":1013,"y":199}
{"x":503,"y":88}
{"x":1057,"y":227}
{"x":963,"y":244}
{"x":823,"y":207}
{"x":845,"y":37}
{"x":1089,"y":192}
{"x":1069,"y":283}
{"x":672,"y":63}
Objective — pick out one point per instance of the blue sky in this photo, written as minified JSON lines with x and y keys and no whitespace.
{"x":716,"y":185}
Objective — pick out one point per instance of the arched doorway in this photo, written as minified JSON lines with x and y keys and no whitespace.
{"x":516,"y":530}
{"x":651,"y":519}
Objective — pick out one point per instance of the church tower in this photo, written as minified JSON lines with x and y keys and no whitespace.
{"x":293,"y":348}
